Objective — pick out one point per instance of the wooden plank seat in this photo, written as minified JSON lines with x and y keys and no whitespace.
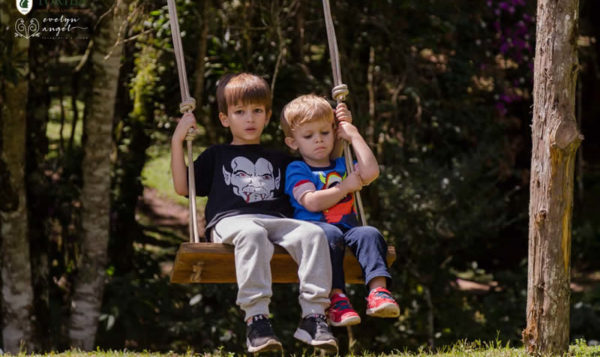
{"x":214,"y":263}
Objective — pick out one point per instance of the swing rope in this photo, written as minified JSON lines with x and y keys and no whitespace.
{"x":339,"y":93}
{"x":188,"y":104}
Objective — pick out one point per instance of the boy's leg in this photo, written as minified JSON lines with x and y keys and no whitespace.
{"x":253,"y":252}
{"x":307,"y":245}
{"x":370,"y":249}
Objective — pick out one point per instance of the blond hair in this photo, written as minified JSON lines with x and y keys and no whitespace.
{"x":305,"y":109}
{"x":244,"y":88}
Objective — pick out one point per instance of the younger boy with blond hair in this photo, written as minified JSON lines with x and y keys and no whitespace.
{"x":248,"y":209}
{"x":321,"y":191}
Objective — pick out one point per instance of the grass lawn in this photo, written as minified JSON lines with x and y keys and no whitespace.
{"x":461,"y":348}
{"x":157,"y":173}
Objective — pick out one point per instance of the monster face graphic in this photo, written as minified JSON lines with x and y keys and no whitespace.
{"x":340,"y":210}
{"x":253,"y":182}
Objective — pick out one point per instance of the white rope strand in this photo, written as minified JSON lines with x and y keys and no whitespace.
{"x":177,"y":48}
{"x":188,"y":104}
{"x":339,"y":93}
{"x":333,"y":48}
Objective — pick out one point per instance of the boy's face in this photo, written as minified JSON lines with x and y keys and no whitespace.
{"x":246,"y":122}
{"x":314,"y":140}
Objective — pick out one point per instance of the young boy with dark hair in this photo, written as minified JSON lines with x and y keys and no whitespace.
{"x":248,"y":209}
{"x":321,"y":191}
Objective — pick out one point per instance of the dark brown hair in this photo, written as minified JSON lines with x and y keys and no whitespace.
{"x":245,"y":88}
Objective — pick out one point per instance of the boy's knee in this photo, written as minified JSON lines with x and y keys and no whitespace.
{"x":252,"y":235}
{"x":311,"y":229}
{"x":315,"y":233}
{"x":370,"y":232}
{"x":335,"y":239}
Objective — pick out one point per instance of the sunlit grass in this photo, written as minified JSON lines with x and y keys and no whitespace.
{"x":157,"y":174}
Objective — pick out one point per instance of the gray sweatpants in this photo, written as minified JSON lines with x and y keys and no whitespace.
{"x":253,"y":236}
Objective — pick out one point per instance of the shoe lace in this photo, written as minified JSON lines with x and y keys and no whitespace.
{"x":383,"y":294}
{"x":321,"y":322}
{"x":260,"y":327}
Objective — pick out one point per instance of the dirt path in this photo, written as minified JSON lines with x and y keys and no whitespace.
{"x":167,"y":213}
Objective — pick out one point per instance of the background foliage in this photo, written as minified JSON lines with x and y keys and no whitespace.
{"x":442,"y":92}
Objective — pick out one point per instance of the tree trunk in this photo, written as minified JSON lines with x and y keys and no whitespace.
{"x":555,"y":139}
{"x":17,"y":291}
{"x":38,"y":191}
{"x":96,"y":172}
{"x":134,"y":111}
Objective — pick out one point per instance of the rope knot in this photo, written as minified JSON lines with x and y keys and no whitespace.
{"x":340,"y":92}
{"x":188,"y":105}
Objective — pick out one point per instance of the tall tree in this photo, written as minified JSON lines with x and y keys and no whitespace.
{"x":39,"y":188}
{"x":95,"y":194}
{"x":17,"y":291}
{"x":555,"y":139}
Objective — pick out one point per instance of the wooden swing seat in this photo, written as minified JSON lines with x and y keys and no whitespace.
{"x":214,"y":263}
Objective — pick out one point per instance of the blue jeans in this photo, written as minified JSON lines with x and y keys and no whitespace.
{"x":365,"y":242}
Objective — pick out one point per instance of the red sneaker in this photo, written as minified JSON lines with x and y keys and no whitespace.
{"x":380,"y":303}
{"x":341,"y":313}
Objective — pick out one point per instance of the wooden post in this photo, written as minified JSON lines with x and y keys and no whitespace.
{"x":555,"y":139}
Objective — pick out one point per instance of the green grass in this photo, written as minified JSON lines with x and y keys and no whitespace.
{"x":461,"y":348}
{"x":157,"y":174}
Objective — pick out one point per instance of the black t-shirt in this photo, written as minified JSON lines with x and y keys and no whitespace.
{"x":242,"y":179}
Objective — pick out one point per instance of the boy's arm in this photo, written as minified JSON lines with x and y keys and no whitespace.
{"x":178,"y":167}
{"x":367,"y":163}
{"x":320,"y":200}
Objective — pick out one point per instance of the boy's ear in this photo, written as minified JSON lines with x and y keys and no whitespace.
{"x":268,"y":117}
{"x":291,"y":142}
{"x":224,"y":119}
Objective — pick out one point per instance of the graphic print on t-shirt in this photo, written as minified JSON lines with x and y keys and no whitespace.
{"x":344,"y":207}
{"x":253,"y":182}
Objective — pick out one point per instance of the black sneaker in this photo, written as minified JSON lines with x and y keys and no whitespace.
{"x":260,"y":336}
{"x":314,"y":331}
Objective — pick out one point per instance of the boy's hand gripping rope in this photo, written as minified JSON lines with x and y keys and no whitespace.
{"x":188,"y":104}
{"x":339,"y":93}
